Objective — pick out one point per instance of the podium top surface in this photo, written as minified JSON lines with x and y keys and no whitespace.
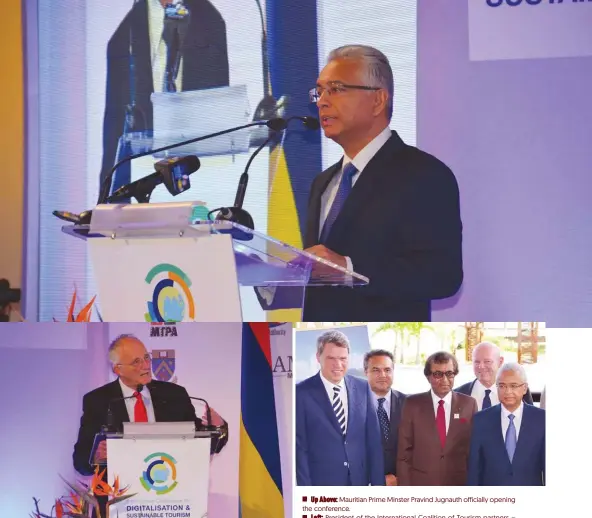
{"x":260,"y":259}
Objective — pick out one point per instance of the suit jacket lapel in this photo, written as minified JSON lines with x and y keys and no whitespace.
{"x":395,"y":416}
{"x":118,"y":408}
{"x":315,"y":208}
{"x":526,"y":430}
{"x":365,"y":187}
{"x":353,"y":403}
{"x":320,"y":394}
{"x":430,"y":419}
{"x":454,"y":425}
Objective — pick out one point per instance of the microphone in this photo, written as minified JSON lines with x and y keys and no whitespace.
{"x":110,"y":426}
{"x":107,"y":182}
{"x":173,"y":172}
{"x":237,"y":214}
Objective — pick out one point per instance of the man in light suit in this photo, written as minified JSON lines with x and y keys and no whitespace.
{"x":508,"y":441}
{"x":388,"y":403}
{"x":338,"y":439}
{"x":435,"y":429}
{"x":487,"y":360}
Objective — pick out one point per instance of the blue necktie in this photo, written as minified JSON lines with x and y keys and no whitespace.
{"x":511,"y":438}
{"x":345,"y":186}
{"x":383,"y":418}
{"x":486,"y":400}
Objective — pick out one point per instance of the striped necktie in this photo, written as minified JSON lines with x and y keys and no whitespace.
{"x":338,"y":409}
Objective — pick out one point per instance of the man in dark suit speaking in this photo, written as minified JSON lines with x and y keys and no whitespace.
{"x":157,"y":401}
{"x":159,"y":48}
{"x":400,"y":225}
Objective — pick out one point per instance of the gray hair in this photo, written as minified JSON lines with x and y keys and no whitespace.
{"x":115,"y":345}
{"x":491,"y":345}
{"x":332,"y":337}
{"x":378,"y":69}
{"x":513,"y":367}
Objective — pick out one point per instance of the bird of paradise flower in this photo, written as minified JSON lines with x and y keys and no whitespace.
{"x":85,"y":313}
{"x":82,"y":498}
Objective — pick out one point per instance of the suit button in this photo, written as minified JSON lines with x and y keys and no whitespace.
{"x":345,"y":464}
{"x":441,"y":456}
{"x":345,"y":442}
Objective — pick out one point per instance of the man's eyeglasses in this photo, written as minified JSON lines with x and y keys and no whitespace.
{"x":513,"y":387}
{"x":138,"y":362}
{"x":439,"y":374}
{"x":335,"y":88}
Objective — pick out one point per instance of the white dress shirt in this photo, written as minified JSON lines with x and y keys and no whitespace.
{"x":447,"y":406}
{"x":360,"y":161}
{"x":386,"y":405}
{"x":131,"y":402}
{"x":517,"y":420}
{"x":342,"y":393}
{"x":478,"y":393}
{"x":158,"y":47}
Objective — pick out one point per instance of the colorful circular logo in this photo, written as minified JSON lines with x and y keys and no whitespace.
{"x":171,"y":297}
{"x":160,"y":475}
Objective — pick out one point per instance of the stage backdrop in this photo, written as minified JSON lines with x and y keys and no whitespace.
{"x":503,"y":99}
{"x":53,"y":365}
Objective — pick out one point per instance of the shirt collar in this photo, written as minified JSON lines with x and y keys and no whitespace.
{"x":387,"y":397}
{"x":481,"y":387}
{"x":447,"y":398}
{"x":129,"y":392}
{"x":329,"y":384}
{"x":517,"y":413}
{"x":367,"y":153}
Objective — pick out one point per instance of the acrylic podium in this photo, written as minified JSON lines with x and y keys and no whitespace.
{"x":158,"y":263}
{"x":165,"y":465}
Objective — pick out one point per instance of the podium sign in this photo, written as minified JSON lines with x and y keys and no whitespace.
{"x":164,"y":280}
{"x":169,"y":477}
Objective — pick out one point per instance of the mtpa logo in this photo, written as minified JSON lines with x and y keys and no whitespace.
{"x":171,"y":298}
{"x":160,"y":473}
{"x":515,"y":3}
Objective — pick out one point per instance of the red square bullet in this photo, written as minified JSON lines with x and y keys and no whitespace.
{"x":304,"y":499}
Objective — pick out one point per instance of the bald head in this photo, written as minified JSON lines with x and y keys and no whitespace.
{"x":487,"y":360}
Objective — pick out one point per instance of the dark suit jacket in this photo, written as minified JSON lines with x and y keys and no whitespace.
{"x":390,"y":447}
{"x":421,"y":460}
{"x":401,"y":227}
{"x":171,"y":403}
{"x":489,"y":464}
{"x":323,"y":457}
{"x":205,"y":65}
{"x":467,"y":388}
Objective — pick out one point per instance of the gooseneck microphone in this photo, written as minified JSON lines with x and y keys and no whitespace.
{"x":236,"y":213}
{"x":107,"y":182}
{"x":110,"y":427}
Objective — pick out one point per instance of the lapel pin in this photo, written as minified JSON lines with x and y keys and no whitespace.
{"x":456,"y":416}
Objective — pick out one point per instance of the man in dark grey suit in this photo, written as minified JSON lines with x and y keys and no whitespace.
{"x":487,"y":360}
{"x":379,"y":368}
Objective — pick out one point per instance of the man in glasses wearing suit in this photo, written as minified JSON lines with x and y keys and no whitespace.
{"x":435,"y":429}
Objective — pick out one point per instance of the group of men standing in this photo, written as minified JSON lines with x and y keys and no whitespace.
{"x":355,"y":432}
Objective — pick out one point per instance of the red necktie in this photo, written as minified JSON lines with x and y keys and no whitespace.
{"x":441,"y":423}
{"x":140,"y":414}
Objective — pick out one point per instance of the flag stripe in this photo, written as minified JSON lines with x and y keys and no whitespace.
{"x":260,"y":478}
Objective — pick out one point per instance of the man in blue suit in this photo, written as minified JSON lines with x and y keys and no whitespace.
{"x":508,"y":440}
{"x":338,"y":439}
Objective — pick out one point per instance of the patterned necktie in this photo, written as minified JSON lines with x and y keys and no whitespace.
{"x":345,"y":186}
{"x":140,"y":413}
{"x":511,"y":438}
{"x":486,"y":400}
{"x":441,"y":423}
{"x":338,"y":409}
{"x":383,"y":418}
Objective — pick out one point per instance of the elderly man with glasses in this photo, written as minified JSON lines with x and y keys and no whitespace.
{"x":435,"y":429}
{"x":508,"y":441}
{"x":386,"y":210}
{"x":133,"y":397}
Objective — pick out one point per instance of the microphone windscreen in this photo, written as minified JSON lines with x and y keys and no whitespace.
{"x":311,"y":123}
{"x":277,"y":124}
